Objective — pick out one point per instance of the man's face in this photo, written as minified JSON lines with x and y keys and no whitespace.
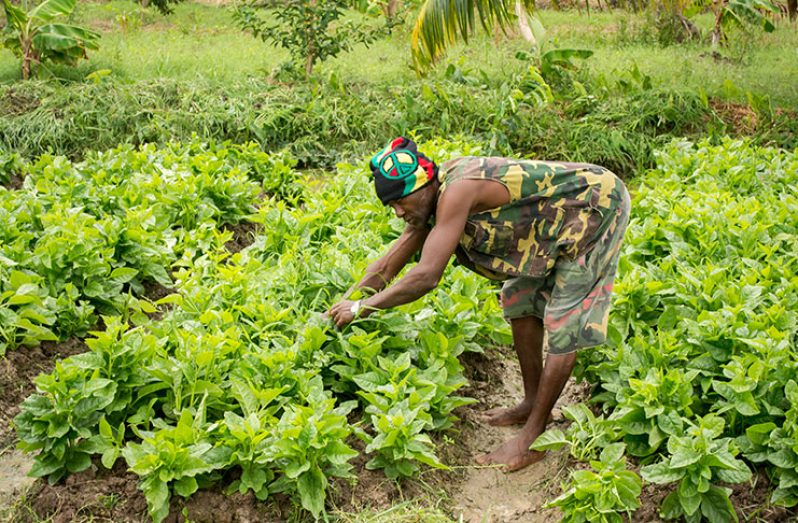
{"x":416,"y":208}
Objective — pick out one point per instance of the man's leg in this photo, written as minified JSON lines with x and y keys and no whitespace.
{"x":515,"y":454}
{"x":528,"y":344}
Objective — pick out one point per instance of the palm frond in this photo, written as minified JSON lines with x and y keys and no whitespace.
{"x":441,"y":22}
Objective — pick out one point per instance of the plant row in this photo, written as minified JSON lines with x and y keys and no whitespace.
{"x":79,"y":240}
{"x":244,"y":383}
{"x":698,"y":380}
{"x":324,"y":121}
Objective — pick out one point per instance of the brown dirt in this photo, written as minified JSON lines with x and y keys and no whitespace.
{"x":371,"y":489}
{"x":243,"y":235}
{"x":14,"y":480}
{"x":15,"y":182}
{"x":17,"y":371}
{"x":154,"y":291}
{"x":750,"y":500}
{"x":486,"y":494}
{"x":739,"y":117}
{"x":14,"y":103}
{"x":650,"y":500}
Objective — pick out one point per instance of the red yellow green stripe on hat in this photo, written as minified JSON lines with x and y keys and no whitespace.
{"x":399,"y":169}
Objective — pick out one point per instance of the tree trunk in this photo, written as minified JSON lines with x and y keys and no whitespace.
{"x":26,"y":59}
{"x":717,"y":32}
{"x":523,"y":23}
{"x":309,"y":38}
{"x":145,"y":3}
{"x":309,"y":64}
{"x":792,"y":9}
{"x":391,"y":8}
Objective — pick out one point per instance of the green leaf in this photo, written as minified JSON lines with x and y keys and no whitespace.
{"x":50,"y":9}
{"x":613,"y":453}
{"x":123,"y":274}
{"x":683,"y":457}
{"x":671,"y":507}
{"x":45,"y":465}
{"x":62,"y":37}
{"x":441,"y":22}
{"x":689,"y":498}
{"x":661,"y":473}
{"x":760,"y":433}
{"x":78,"y":462}
{"x":157,"y":494}
{"x":311,"y":486}
{"x":738,"y":475}
{"x":716,"y":506}
{"x":552,"y":439}
{"x":185,"y":486}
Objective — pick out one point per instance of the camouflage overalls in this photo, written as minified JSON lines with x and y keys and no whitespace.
{"x":556,"y":243}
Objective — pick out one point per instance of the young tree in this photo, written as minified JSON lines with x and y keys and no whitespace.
{"x":311,"y":30}
{"x":165,"y":7}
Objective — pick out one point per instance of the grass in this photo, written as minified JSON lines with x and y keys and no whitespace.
{"x":200,"y":41}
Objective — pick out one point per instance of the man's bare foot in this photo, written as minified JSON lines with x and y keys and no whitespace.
{"x":503,"y":416}
{"x":514,"y":454}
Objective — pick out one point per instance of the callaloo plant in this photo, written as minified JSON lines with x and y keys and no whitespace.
{"x":34,"y":34}
{"x":243,"y":375}
{"x":586,"y":436}
{"x":10,"y":164}
{"x":26,"y":310}
{"x":604,"y":493}
{"x":698,"y":460}
{"x":171,"y":458}
{"x":309,"y":445}
{"x":60,"y":421}
{"x":776,"y":445}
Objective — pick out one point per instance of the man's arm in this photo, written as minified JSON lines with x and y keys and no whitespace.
{"x":380,"y":272}
{"x":453,"y":210}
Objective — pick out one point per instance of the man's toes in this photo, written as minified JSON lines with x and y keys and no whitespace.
{"x":484,"y":459}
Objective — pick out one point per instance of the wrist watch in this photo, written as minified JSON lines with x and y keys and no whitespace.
{"x":355,"y":308}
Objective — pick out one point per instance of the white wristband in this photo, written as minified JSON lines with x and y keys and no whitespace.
{"x":355,"y":308}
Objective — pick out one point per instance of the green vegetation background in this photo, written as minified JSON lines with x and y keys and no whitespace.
{"x":200,"y":42}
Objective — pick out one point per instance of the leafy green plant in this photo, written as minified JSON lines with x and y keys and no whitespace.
{"x":586,"y":437}
{"x":35,"y":35}
{"x":10,"y":164}
{"x":60,"y":421}
{"x":697,"y":461}
{"x":26,"y":311}
{"x":701,"y":348}
{"x":173,"y":457}
{"x":553,"y":62}
{"x":164,"y":7}
{"x":604,"y":493}
{"x":775,"y":445}
{"x":740,"y":13}
{"x":309,"y":446}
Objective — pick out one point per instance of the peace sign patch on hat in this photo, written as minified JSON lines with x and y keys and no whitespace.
{"x":399,"y":169}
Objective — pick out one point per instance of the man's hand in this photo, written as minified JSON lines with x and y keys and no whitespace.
{"x":341,"y":313}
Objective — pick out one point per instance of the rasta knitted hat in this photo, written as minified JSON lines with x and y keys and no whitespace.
{"x":400,"y":169}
